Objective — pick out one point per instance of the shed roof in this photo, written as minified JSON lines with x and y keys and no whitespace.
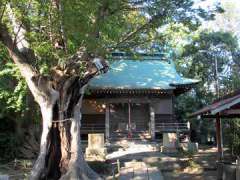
{"x":227,"y":106}
{"x":154,"y":74}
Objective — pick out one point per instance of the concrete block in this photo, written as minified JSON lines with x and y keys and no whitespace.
{"x":96,"y":149}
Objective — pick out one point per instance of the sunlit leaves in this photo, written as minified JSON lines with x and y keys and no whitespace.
{"x":98,"y":26}
{"x":12,"y":89}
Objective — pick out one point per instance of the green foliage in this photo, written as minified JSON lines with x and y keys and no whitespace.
{"x":8,"y":140}
{"x":101,"y":25}
{"x":56,"y":31}
{"x":202,"y":52}
{"x":197,"y":60}
{"x":12,"y":86}
{"x":233,"y":135}
{"x":95,"y":26}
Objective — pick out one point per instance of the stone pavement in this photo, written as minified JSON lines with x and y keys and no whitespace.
{"x":133,"y":156}
{"x":139,"y":171}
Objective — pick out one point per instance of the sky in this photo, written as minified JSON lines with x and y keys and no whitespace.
{"x":229,"y":20}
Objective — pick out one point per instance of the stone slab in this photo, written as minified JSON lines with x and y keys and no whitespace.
{"x":169,"y":140}
{"x":96,"y":140}
{"x":96,"y":149}
{"x":139,"y":171}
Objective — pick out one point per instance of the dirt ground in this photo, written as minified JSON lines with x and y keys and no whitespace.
{"x":16,"y":169}
{"x":203,"y":166}
{"x":173,"y":166}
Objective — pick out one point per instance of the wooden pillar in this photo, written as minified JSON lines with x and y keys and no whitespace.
{"x":152,"y":122}
{"x":129,"y":120}
{"x":107,"y":121}
{"x":219,"y":137}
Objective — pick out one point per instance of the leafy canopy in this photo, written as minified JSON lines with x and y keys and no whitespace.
{"x":55,"y":30}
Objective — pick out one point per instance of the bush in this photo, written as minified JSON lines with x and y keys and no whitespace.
{"x":232,"y":136}
{"x":8,"y":139}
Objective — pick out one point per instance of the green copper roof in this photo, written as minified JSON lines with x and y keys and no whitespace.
{"x":140,"y":74}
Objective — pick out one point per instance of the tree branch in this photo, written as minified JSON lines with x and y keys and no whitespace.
{"x":18,"y":58}
{"x":21,"y":25}
{"x":143,"y":27}
{"x":26,"y":70}
{"x":3,"y":11}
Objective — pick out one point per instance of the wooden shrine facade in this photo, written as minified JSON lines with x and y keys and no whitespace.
{"x":134,"y":99}
{"x":116,"y":117}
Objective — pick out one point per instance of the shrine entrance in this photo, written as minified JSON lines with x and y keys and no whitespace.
{"x":129,"y":120}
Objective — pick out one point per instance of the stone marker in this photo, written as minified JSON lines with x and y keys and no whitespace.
{"x":96,"y":149}
{"x":169,"y":142}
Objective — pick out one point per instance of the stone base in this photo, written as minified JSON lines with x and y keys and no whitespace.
{"x":189,"y":146}
{"x":94,"y":154}
{"x":168,"y":149}
{"x":96,"y":150}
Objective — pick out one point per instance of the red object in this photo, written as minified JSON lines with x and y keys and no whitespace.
{"x":129,"y":134}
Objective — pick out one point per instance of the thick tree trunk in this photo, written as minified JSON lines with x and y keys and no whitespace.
{"x":61,"y":155}
{"x":60,"y":101}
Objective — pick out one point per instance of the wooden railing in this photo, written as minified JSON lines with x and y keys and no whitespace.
{"x":159,"y":127}
{"x":172,"y":127}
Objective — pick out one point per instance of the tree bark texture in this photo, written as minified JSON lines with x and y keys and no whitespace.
{"x":61,"y":156}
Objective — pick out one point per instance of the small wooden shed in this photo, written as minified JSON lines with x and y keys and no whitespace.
{"x":227,"y":106}
{"x":135,"y":98}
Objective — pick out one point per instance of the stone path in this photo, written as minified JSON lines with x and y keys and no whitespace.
{"x":139,"y":171}
{"x":132,"y":155}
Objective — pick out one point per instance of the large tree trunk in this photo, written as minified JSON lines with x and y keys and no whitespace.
{"x":61,"y":155}
{"x":60,"y":100}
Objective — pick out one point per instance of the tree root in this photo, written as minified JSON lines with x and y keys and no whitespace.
{"x":77,"y":172}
